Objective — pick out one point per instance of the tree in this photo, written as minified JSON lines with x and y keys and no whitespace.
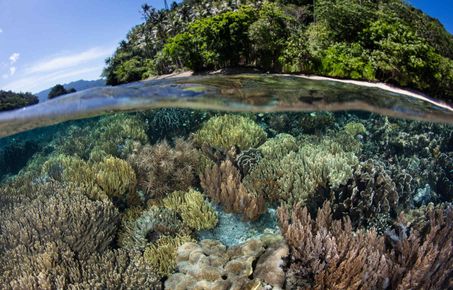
{"x":10,"y":100}
{"x":59,"y":90}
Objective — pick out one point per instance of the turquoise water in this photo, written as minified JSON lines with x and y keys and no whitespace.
{"x":227,"y":182}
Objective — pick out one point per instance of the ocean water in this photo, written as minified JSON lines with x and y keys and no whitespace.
{"x":228,"y":182}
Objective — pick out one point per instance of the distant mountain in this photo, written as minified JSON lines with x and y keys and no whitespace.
{"x":79,"y":85}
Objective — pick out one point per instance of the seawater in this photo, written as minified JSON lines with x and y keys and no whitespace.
{"x":227,"y":182}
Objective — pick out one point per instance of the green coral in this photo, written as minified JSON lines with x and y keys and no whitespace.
{"x":354,"y":128}
{"x":195,"y":212}
{"x":295,"y":173}
{"x":110,"y":178}
{"x":162,"y":254}
{"x":115,"y":177}
{"x":230,"y":130}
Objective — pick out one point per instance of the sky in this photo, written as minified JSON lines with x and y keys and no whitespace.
{"x":45,"y":42}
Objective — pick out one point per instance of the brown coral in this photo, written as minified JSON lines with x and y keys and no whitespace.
{"x":85,"y":226}
{"x":327,"y":254}
{"x":369,"y":198}
{"x":223,"y":184}
{"x":54,"y":266}
{"x":162,"y":169}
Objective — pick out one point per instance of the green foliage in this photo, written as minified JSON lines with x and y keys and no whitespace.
{"x":59,"y":90}
{"x":10,"y":100}
{"x":268,"y":34}
{"x":213,"y":42}
{"x":347,"y":61}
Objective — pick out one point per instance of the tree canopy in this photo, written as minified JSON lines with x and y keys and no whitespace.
{"x":376,"y":40}
{"x":59,"y":90}
{"x":10,"y":100}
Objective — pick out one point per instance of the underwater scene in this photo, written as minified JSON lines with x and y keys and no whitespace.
{"x":178,"y":197}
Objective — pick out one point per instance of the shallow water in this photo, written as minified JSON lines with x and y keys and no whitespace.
{"x":227,"y":182}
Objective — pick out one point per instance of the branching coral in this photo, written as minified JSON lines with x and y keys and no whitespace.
{"x":54,"y":266}
{"x":210,"y":265}
{"x":195,"y":212}
{"x":161,"y":255}
{"x":354,"y":128}
{"x":326,"y":254}
{"x":85,"y":226}
{"x":223,"y":184}
{"x":162,"y":169}
{"x":230,"y":130}
{"x":369,"y":198}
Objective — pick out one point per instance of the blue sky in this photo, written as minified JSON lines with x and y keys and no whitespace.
{"x":45,"y":42}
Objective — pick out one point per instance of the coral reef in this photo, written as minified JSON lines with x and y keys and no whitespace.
{"x":162,"y":169}
{"x":223,"y":184}
{"x":247,"y":159}
{"x":369,"y":198}
{"x":85,"y":226}
{"x":169,"y":123}
{"x":227,"y":131}
{"x":195,"y":212}
{"x":161,"y":255}
{"x":210,"y":265}
{"x":298,"y":123}
{"x":54,"y":266}
{"x":328,"y":254}
{"x":295,"y":176}
{"x":354,"y":128}
{"x":138,"y":229}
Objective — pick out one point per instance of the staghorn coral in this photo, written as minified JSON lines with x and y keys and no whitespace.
{"x":369,"y":198}
{"x":138,"y":229}
{"x":327,"y":254}
{"x":227,"y":131}
{"x":162,"y":169}
{"x":210,"y":265}
{"x":85,"y":226}
{"x":161,"y":255}
{"x":223,"y":184}
{"x":54,"y":266}
{"x":195,"y":212}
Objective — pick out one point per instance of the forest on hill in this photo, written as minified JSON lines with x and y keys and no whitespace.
{"x":375,"y":40}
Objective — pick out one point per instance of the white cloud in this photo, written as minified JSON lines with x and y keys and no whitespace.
{"x":51,"y":70}
{"x":35,"y":83}
{"x":14,"y":57}
{"x":67,"y":61}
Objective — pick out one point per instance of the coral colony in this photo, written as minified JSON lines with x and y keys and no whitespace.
{"x":183,"y":199}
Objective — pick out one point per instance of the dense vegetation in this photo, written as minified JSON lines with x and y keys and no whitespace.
{"x":377,"y":40}
{"x":59,"y":90}
{"x":10,"y":100}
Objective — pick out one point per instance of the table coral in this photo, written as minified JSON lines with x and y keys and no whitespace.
{"x":210,"y":265}
{"x":230,"y":130}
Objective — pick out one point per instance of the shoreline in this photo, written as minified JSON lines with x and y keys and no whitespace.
{"x":379,"y":85}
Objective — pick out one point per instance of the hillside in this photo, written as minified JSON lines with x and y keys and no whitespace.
{"x":374,"y":40}
{"x":78,"y":85}
{"x":10,"y":100}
